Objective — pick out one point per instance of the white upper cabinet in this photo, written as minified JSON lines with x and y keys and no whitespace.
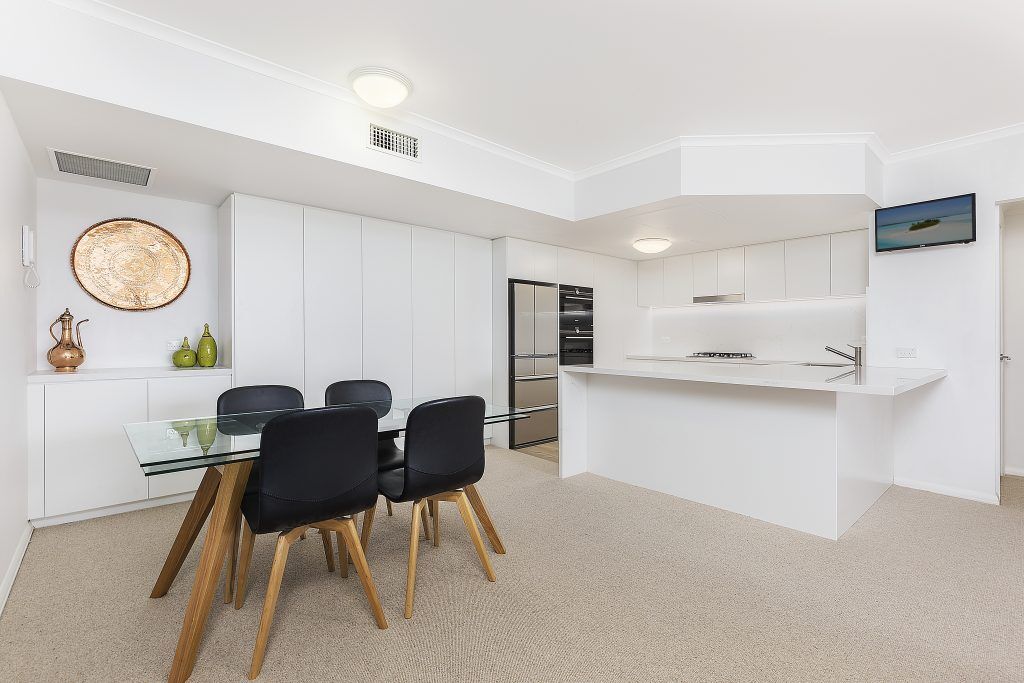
{"x":849,"y":255}
{"x":764,"y":268}
{"x":678,"y":281}
{"x":532,"y":261}
{"x":268,"y":333}
{"x":807,"y":267}
{"x":705,"y":273}
{"x":575,"y":267}
{"x":730,"y":271}
{"x":650,"y":283}
{"x":433,"y":312}
{"x":333,"y":300}
{"x":387,"y":304}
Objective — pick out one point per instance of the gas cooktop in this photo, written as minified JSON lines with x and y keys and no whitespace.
{"x":721,"y":354}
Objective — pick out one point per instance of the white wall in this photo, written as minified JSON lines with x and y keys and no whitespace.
{"x":17,"y":310}
{"x":116,"y":338}
{"x":620,"y":326}
{"x":945,"y":301}
{"x":785,"y":330}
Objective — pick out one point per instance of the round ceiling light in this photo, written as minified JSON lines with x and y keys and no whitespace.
{"x":380,"y":87}
{"x":652,"y":245}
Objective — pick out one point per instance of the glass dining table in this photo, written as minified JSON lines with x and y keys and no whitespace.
{"x":226,"y":446}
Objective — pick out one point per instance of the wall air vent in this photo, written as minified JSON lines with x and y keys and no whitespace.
{"x":393,"y":142}
{"x":104,"y":169}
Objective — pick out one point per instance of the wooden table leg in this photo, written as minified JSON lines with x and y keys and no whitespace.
{"x":485,"y":518}
{"x":211,"y":562}
{"x":196,"y":516}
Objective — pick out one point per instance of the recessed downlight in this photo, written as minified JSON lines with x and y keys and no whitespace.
{"x":652,"y":245}
{"x":379,"y":86}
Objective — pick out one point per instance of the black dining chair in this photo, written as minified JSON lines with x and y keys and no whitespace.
{"x":318,"y":469}
{"x":444,"y":457}
{"x":378,"y":395}
{"x":248,"y":403}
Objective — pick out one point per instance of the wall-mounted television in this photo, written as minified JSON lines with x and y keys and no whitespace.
{"x":926,"y":224}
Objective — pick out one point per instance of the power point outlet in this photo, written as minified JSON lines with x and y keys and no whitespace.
{"x":173,"y":344}
{"x":906,"y":352}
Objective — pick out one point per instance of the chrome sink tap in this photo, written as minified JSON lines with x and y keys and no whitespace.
{"x":857,"y":357}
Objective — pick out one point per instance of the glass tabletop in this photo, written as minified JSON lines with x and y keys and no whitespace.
{"x":165,"y":446}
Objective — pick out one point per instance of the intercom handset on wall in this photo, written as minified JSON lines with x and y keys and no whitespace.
{"x":28,"y":255}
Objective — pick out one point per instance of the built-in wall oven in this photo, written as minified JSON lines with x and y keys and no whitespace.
{"x":533,"y":360}
{"x":575,"y":325}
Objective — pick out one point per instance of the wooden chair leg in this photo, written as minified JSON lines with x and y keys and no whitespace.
{"x":362,"y":569}
{"x":414,"y":543}
{"x":484,"y":515}
{"x":467,"y":518}
{"x":342,"y":556}
{"x":367,"y":526}
{"x":325,"y":534}
{"x":435,"y":513}
{"x":391,"y":510}
{"x":284,"y":542}
{"x":423,"y":518}
{"x":229,"y":575}
{"x":244,"y":560}
{"x":191,"y":525}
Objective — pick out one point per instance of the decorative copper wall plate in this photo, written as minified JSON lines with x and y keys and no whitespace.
{"x":130,"y":264}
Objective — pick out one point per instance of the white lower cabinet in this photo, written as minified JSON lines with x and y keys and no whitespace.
{"x":185,"y":397}
{"x":83,"y":456}
{"x":88,"y":460}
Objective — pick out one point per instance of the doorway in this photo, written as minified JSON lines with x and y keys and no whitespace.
{"x":1012,"y":358}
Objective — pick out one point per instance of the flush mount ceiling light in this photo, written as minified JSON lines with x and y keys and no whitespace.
{"x":380,"y":87}
{"x":652,"y":245}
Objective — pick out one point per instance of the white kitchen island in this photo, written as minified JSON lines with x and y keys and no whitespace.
{"x":808,"y":448}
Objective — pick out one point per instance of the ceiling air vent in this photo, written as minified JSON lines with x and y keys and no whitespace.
{"x":104,"y":169}
{"x":393,"y":142}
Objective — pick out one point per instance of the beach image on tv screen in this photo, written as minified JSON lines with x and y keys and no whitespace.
{"x":944,"y":220}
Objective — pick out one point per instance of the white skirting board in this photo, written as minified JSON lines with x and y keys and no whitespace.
{"x":947,"y":490}
{"x":113,"y":510}
{"x":1014,"y":471}
{"x":14,"y":566}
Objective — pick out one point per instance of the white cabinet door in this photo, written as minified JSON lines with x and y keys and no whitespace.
{"x":387,"y":304}
{"x":433,"y":312}
{"x":764,"y":269}
{"x":679,"y":281}
{"x":849,"y":252}
{"x":650,"y":282}
{"x":472,"y":316}
{"x":268,"y":334}
{"x":807,"y":267}
{"x":333,"y":300}
{"x":705,"y":273}
{"x":89,"y":462}
{"x":730,"y":271}
{"x":170,"y":399}
{"x":575,"y":268}
{"x":531,"y":261}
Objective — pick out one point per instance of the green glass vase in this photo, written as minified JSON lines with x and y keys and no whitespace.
{"x":184,"y":357}
{"x":207,"y":348}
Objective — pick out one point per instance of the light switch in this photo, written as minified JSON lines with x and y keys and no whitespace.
{"x":906,"y":352}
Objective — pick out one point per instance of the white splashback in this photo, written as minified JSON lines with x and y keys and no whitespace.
{"x":786,"y":330}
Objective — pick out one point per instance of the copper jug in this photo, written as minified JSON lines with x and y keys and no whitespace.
{"x":66,"y":356}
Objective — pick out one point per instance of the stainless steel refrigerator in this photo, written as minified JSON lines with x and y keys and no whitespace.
{"x":533,"y":360}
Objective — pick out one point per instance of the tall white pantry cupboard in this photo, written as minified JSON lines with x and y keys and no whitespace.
{"x":310,"y":296}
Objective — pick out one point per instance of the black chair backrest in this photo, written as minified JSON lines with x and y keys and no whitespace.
{"x":444,"y":445}
{"x":254,"y":400}
{"x":316,"y":465}
{"x":375,"y":393}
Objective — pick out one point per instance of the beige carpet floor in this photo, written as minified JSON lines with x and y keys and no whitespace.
{"x":602,"y":582}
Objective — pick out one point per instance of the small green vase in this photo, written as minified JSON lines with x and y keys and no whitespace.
{"x":207,"y":349}
{"x":184,"y":357}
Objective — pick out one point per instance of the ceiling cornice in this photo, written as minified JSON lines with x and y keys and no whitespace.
{"x":957,"y":143}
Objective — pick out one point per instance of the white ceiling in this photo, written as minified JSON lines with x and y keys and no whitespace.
{"x":202,"y":165}
{"x":580,"y":82}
